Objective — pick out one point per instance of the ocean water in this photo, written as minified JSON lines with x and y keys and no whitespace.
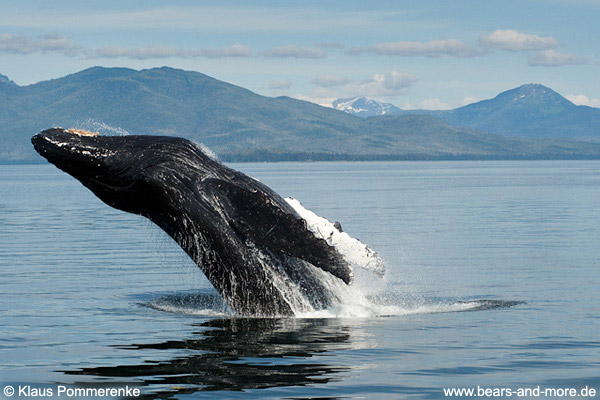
{"x":492,"y":281}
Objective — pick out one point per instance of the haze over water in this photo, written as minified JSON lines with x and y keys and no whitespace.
{"x":91,"y":294}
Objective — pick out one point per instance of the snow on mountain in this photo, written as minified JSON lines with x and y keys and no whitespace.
{"x":364,"y":107}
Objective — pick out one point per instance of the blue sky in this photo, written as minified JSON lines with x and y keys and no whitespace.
{"x":435,"y":54}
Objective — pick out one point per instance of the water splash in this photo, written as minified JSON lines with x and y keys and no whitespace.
{"x":91,"y":124}
{"x":312,"y":292}
{"x":206,"y":150}
{"x":210,"y":304}
{"x":366,"y":298}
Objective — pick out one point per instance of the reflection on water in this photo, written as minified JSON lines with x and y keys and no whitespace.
{"x":239,"y":354}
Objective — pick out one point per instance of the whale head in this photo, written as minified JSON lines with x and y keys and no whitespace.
{"x":126,"y":172}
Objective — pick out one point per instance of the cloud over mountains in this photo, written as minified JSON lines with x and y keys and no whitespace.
{"x":294,"y":51}
{"x":434,"y":49}
{"x":48,"y":43}
{"x":552,"y":58}
{"x":513,"y":40}
{"x":509,"y":40}
{"x":388,"y":84}
{"x":155,"y":52}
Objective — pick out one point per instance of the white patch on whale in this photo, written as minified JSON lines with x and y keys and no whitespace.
{"x":356,"y":253}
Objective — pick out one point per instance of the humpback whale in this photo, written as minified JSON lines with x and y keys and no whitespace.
{"x":258,"y":252}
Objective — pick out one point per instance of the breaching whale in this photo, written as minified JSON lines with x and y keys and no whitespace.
{"x":254,"y":247}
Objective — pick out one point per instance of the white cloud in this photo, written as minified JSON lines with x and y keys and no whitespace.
{"x":235,"y":50}
{"x":434,"y":48}
{"x":468,"y":100}
{"x":153,"y":52}
{"x":390,"y":84}
{"x":322,"y":101}
{"x":582,"y":100}
{"x":331,"y":45}
{"x":330,"y":81}
{"x":55,"y":43}
{"x":513,"y":40}
{"x":280,"y":85}
{"x":49,"y":43}
{"x":140,"y":53}
{"x":294,"y":51}
{"x":552,"y":58}
{"x":406,"y":106}
{"x":434,"y":104}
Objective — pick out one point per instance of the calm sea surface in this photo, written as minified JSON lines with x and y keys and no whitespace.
{"x":493,"y":281}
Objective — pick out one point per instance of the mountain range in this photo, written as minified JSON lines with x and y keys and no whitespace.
{"x":531,"y":110}
{"x":239,"y":125}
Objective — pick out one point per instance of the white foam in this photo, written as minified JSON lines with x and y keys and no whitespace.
{"x":356,"y":253}
{"x":401,"y":307}
{"x":361,"y":308}
{"x":188,"y":310}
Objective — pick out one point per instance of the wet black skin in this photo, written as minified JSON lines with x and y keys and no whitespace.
{"x":226,"y":221}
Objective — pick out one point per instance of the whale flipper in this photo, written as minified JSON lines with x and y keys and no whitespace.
{"x":256,"y":218}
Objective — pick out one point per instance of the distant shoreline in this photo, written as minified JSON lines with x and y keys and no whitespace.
{"x":334,"y":158}
{"x":312,"y":157}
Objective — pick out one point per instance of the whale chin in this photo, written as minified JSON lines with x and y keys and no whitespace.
{"x":251,"y":244}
